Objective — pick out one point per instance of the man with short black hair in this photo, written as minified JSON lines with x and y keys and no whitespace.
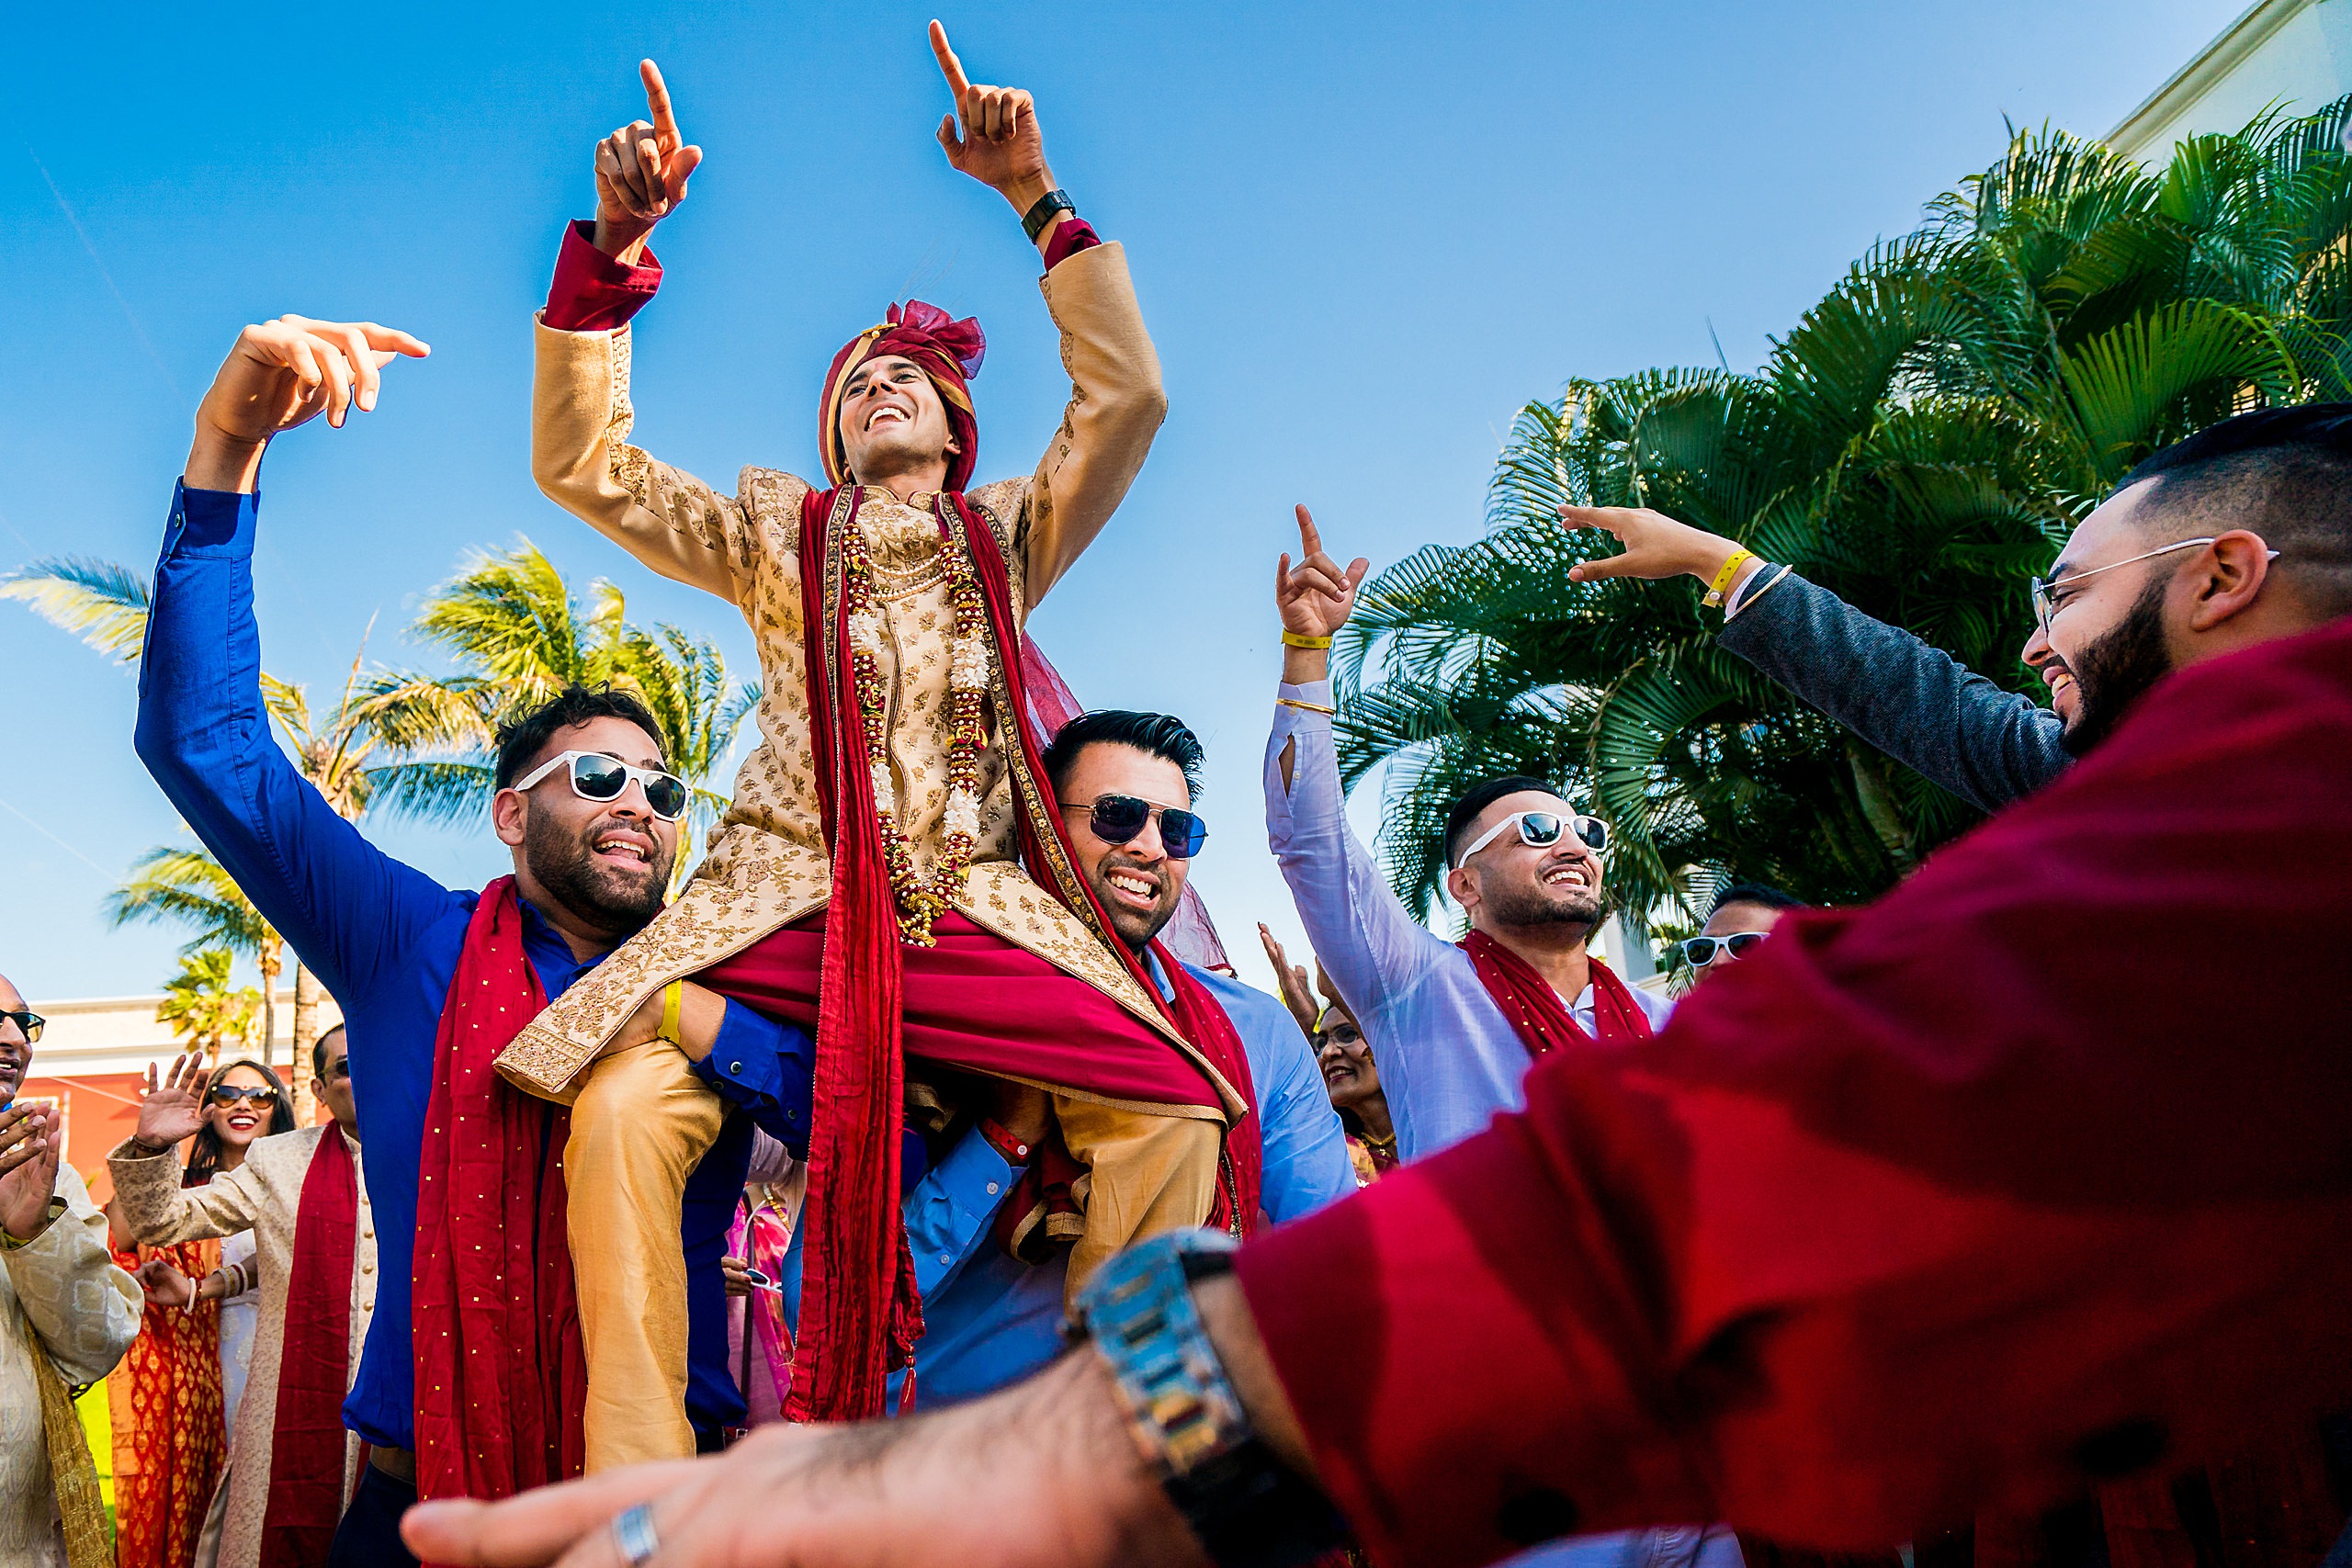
{"x":1454,"y":1026}
{"x":2239,"y":534}
{"x":466,"y":1176}
{"x":1125,"y":783}
{"x":1744,"y":915}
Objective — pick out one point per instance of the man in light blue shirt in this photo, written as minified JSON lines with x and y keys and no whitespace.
{"x":1125,"y":783}
{"x":1450,"y":1058}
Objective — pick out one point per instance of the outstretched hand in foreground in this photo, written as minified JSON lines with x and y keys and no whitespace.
{"x":171,"y":1107}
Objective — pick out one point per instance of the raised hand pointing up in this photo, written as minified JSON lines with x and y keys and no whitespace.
{"x":993,"y":135}
{"x":641,"y":169}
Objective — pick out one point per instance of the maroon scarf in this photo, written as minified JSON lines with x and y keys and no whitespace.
{"x":306,"y":1452}
{"x":501,"y":1376}
{"x":860,"y":1313}
{"x":1536,"y":1010}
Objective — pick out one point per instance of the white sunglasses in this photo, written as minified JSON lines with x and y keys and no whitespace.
{"x":1542,"y":830}
{"x":597,"y":777}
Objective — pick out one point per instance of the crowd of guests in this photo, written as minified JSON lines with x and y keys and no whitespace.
{"x":1823,"y":1252}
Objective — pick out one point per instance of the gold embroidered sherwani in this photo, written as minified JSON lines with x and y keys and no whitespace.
{"x":262,"y":1195}
{"x":767,"y":866}
{"x":640,"y":1118}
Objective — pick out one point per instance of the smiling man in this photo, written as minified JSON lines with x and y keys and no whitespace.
{"x":67,"y":1314}
{"x":2229,"y":539}
{"x":467,"y":1177}
{"x":893,"y":874}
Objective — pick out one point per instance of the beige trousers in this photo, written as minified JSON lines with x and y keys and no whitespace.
{"x":641,"y":1125}
{"x":1145,"y":1174}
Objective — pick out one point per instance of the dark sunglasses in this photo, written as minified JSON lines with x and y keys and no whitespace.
{"x":595,"y":776}
{"x":228,"y":1094}
{"x":1701,"y":951}
{"x":1118,"y":819}
{"x":27,"y":1023}
{"x":339,"y":1069}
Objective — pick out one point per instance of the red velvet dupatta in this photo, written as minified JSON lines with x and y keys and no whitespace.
{"x":860,"y":1313}
{"x":502,"y":1378}
{"x":306,"y":1450}
{"x":1537,"y":1012}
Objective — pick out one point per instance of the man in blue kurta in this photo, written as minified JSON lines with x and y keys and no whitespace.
{"x":384,"y":938}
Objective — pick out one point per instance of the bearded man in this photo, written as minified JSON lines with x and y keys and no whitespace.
{"x":869,"y":880}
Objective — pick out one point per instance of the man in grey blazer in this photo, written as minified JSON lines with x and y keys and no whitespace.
{"x":2240,"y":533}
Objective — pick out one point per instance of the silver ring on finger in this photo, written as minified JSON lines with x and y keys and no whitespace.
{"x":633,"y":1533}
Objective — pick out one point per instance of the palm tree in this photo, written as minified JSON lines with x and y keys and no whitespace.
{"x":107,"y":607}
{"x":517,"y":634}
{"x":204,"y":1009}
{"x":1918,"y":444}
{"x":190,"y":889}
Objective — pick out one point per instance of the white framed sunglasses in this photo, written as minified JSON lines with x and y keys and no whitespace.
{"x":597,"y":777}
{"x":1542,"y":830}
{"x":1701,"y":951}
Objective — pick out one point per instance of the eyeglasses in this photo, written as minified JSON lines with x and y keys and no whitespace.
{"x":2043,"y":608}
{"x":228,"y":1094}
{"x":1118,"y":819}
{"x":595,"y":776}
{"x":339,"y":1069}
{"x":27,"y":1023}
{"x":1542,"y":830}
{"x":1701,"y":951}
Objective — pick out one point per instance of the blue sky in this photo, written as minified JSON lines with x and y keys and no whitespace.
{"x":1363,"y":236}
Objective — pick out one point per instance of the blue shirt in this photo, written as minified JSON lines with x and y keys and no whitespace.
{"x":384,"y":938}
{"x":993,"y":1319}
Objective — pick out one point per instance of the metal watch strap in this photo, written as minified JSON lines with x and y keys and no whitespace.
{"x":1033,"y":221}
{"x":1248,"y":1509}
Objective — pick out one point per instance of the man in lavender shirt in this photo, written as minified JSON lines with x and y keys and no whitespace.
{"x":1449,"y":1058}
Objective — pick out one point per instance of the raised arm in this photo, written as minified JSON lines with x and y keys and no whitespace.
{"x":1117,"y":402}
{"x":203,"y":731}
{"x":1373,"y":949}
{"x":580,"y":414}
{"x":1912,"y":701}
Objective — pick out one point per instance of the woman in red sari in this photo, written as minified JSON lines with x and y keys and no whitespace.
{"x":171,"y":1436}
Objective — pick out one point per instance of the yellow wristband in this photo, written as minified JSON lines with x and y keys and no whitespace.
{"x":1300,"y":639}
{"x":674,"y":998}
{"x":1717,"y":589}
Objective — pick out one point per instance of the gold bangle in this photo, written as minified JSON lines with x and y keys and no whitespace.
{"x":1717,"y":589}
{"x":1300,"y":639}
{"x":674,"y":999}
{"x":1305,"y":706}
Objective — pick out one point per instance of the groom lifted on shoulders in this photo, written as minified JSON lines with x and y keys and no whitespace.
{"x":896,"y":873}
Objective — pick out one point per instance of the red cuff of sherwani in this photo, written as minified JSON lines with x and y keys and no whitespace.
{"x":1071,"y":236}
{"x":1433,"y":1332}
{"x":593,"y":293}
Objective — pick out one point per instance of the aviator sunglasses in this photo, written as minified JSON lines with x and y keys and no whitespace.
{"x":228,"y":1094}
{"x":1542,"y":830}
{"x":595,"y":776}
{"x":1701,"y":951}
{"x":1118,"y":819}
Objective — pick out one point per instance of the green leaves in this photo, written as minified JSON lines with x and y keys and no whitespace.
{"x":97,"y":600}
{"x":1921,"y":442}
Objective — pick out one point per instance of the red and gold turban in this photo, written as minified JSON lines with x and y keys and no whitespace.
{"x":949,"y":352}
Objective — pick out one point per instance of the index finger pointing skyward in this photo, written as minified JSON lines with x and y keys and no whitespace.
{"x":656,"y":102}
{"x":1310,"y":542}
{"x":949,"y":66}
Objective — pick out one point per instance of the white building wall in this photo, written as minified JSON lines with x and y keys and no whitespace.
{"x":2297,"y":52}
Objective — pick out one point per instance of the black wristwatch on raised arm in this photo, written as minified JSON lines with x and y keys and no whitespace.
{"x":1033,"y":221}
{"x":1248,"y":1509}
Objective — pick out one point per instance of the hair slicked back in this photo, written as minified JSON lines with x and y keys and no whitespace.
{"x":1158,"y":733}
{"x":525,"y":737}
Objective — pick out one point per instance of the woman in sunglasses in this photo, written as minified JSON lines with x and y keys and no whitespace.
{"x":187,"y":1372}
{"x":1744,"y":914}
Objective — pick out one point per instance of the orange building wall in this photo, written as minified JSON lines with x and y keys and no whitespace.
{"x":100,"y":1111}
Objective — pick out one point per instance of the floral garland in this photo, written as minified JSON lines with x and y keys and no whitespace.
{"x":922,"y":901}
